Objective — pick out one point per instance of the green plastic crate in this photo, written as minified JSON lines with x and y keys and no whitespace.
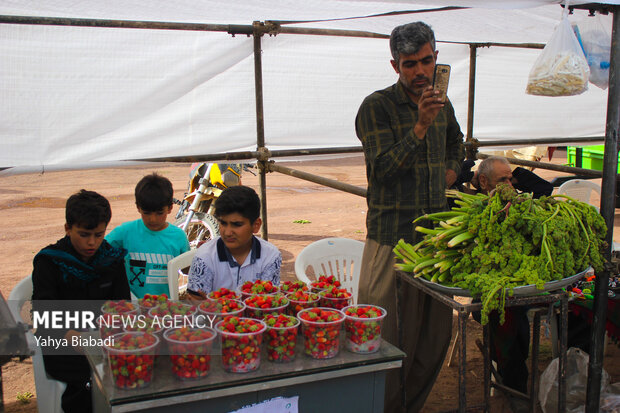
{"x":591,"y":157}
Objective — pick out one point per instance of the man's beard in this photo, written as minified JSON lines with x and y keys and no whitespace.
{"x":414,"y":90}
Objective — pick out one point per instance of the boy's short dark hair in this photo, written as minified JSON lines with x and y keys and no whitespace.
{"x":241,"y":199}
{"x":154,"y":193}
{"x":87,"y":209}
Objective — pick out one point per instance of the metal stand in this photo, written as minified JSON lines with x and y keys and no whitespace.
{"x":463,"y":311}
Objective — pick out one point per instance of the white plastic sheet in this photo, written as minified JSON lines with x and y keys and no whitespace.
{"x":78,"y":95}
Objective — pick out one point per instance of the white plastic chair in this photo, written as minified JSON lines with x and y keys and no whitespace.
{"x":341,"y":257}
{"x":580,"y":189}
{"x":49,"y":391}
{"x":175,"y":267}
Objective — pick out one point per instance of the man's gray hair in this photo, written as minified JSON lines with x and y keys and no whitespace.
{"x":409,"y":39}
{"x":486,"y":166}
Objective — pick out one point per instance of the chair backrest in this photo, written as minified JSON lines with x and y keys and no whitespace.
{"x":579,"y":189}
{"x":21,"y":293}
{"x":49,"y":391}
{"x":177,"y":279}
{"x":341,"y":257}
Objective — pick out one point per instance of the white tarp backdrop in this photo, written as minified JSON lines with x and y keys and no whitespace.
{"x":77,"y":95}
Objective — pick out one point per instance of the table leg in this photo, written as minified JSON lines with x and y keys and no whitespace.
{"x":562,"y":356}
{"x":399,"y":323}
{"x":486,"y":356}
{"x":463,"y":316}
{"x":533,"y":393}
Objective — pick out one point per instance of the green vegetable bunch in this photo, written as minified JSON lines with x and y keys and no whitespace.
{"x":491,"y":244}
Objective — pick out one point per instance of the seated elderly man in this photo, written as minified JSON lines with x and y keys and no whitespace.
{"x":495,"y":170}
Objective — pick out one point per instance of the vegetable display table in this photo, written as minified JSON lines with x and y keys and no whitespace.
{"x":347,"y":382}
{"x":547,"y":299}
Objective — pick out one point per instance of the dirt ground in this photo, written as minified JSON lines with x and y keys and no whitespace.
{"x":32,"y":216}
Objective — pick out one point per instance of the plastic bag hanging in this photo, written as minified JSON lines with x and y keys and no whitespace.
{"x":561,"y":69}
{"x":595,"y":39}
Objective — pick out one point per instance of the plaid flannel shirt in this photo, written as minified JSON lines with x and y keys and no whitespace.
{"x":406,"y":175}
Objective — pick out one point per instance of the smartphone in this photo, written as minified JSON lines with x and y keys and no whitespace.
{"x":441,"y":79}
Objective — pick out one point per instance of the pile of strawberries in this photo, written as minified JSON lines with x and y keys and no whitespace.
{"x":362,"y":326}
{"x":223,"y":293}
{"x":301,"y":299}
{"x":321,"y":331}
{"x":249,"y":288}
{"x":151,"y":300}
{"x":258,"y":305}
{"x":132,"y":356}
{"x":292,"y":286}
{"x":189,"y":351}
{"x":241,"y":340}
{"x":281,"y":337}
{"x":324,"y":282}
{"x":335,"y":297}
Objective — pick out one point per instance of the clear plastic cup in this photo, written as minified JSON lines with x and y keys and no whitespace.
{"x":190,"y":351}
{"x":300,"y":300}
{"x":145,"y":324}
{"x":281,"y":337}
{"x":215,"y":311}
{"x":241,"y":339}
{"x":337,"y":298}
{"x":173,"y":311}
{"x":259,"y":305}
{"x":320,"y":327}
{"x":362,"y":326}
{"x":131,"y":359}
{"x":114,"y":316}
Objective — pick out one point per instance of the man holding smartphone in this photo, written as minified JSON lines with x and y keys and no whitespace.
{"x":413,"y":149}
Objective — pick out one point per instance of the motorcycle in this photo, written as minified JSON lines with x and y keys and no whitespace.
{"x":206,"y":183}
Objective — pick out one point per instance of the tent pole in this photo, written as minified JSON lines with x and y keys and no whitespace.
{"x":608,"y":191}
{"x":470,"y":98}
{"x":260,"y":125}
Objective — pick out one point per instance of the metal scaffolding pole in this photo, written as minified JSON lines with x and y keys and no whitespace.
{"x":260,"y":126}
{"x":608,"y":191}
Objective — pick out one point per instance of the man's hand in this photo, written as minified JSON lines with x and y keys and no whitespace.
{"x":450,"y":178}
{"x":429,"y":106}
{"x":196,"y":297}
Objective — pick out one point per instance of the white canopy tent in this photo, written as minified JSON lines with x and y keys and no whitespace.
{"x":73,"y":96}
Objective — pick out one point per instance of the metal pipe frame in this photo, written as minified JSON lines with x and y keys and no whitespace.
{"x":608,"y":196}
